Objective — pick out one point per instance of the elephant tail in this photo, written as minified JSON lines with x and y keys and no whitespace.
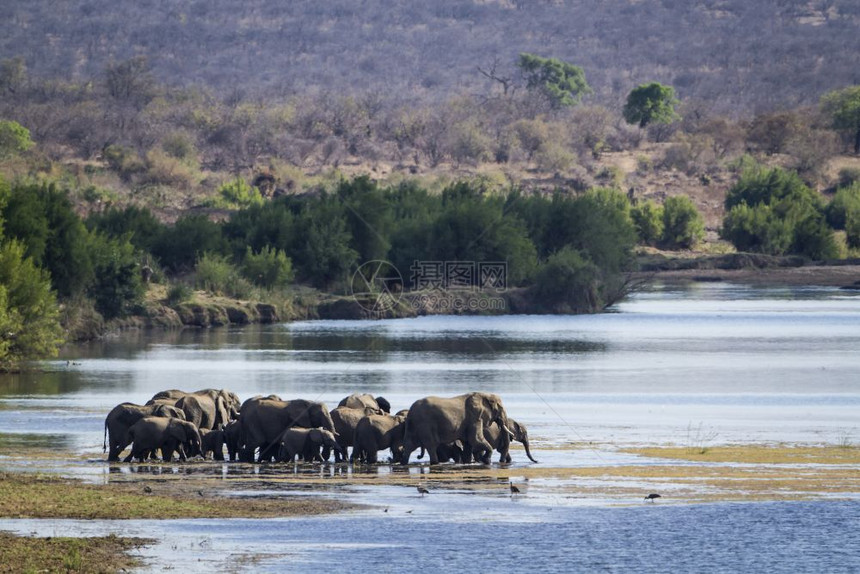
{"x":104,"y":446}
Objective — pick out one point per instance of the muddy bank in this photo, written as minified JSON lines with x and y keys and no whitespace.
{"x":750,"y":269}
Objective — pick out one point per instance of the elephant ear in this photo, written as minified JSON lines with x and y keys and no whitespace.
{"x":176,"y":429}
{"x":476,"y":409}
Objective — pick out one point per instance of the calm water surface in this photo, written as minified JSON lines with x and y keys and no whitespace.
{"x":671,"y":365}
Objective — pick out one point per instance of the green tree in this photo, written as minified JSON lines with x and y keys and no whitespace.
{"x":323,"y":255}
{"x":117,"y":287}
{"x":29,"y":314}
{"x":14,"y":139}
{"x":651,"y":103}
{"x":368,"y":216}
{"x":683,"y":227}
{"x":843,"y":107}
{"x":563,"y":84}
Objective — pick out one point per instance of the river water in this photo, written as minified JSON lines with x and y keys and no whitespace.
{"x":706,"y":363}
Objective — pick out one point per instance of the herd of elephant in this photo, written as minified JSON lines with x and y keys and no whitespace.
{"x":461,"y":429}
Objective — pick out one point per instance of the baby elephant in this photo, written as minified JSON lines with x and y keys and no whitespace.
{"x":305,"y":442}
{"x":169,"y":435}
{"x":212,"y":441}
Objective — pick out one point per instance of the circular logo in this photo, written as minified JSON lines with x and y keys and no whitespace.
{"x":377,"y":286}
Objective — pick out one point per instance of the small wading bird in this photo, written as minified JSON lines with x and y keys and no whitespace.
{"x":651,"y":497}
{"x":514,"y":489}
{"x":422,"y":491}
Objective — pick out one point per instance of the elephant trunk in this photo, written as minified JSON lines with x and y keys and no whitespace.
{"x":528,"y":452}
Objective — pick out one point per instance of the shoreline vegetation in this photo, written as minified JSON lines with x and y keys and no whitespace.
{"x":205,"y":310}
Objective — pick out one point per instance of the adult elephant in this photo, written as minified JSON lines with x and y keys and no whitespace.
{"x":345,"y":421}
{"x":124,"y":415}
{"x":378,"y":405}
{"x":169,"y":435}
{"x":433,"y":421}
{"x":502,"y":442}
{"x":264,"y":419}
{"x":306,"y":443}
{"x":378,"y":432}
{"x":214,"y":408}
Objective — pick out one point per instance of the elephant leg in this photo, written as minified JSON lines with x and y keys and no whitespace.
{"x":181,"y":452}
{"x":129,"y":457}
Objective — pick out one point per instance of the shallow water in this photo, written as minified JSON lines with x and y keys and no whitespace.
{"x":708,"y":364}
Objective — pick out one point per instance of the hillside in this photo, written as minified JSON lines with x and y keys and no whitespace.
{"x":741,"y":56}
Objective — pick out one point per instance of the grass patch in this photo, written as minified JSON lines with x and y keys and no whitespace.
{"x":33,"y":496}
{"x":756,"y":454}
{"x":103,"y":554}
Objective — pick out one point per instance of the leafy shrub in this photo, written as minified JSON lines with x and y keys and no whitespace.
{"x":551,"y":156}
{"x":648,"y":219}
{"x":237,"y":194}
{"x":772,"y":211}
{"x":847,"y":199}
{"x":116,"y":288}
{"x":163,"y":169}
{"x":269,"y":268}
{"x":568,"y":282}
{"x":215,"y":273}
{"x":28,"y":309}
{"x":179,"y":293}
{"x":683,"y":227}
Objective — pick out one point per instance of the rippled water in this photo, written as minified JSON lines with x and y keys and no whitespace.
{"x":712,"y":362}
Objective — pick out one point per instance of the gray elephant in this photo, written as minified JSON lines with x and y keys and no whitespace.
{"x":124,"y":415}
{"x":433,"y":421}
{"x":212,"y":441}
{"x":169,"y":435}
{"x":450,"y":452}
{"x":378,"y":405}
{"x":345,"y":420}
{"x":214,"y":408}
{"x":263,"y":420}
{"x":378,"y":432}
{"x":502,"y":442}
{"x":305,"y":443}
{"x":232,"y":438}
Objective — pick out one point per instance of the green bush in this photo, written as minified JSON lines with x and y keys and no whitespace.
{"x":270,"y":268}
{"x":773,"y":211}
{"x":179,"y":293}
{"x":237,"y":194}
{"x":568,"y":283}
{"x":846,"y":200}
{"x":648,"y":219}
{"x":683,"y":226}
{"x":215,"y":273}
{"x":116,"y":288}
{"x":29,"y":314}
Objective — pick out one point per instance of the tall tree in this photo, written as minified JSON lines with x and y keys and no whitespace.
{"x":651,"y":103}
{"x":562,"y":83}
{"x":843,"y":107}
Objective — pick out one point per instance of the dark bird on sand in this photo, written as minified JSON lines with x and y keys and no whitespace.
{"x":514,"y":489}
{"x":147,"y":489}
{"x":651,"y":497}
{"x":422,"y":490}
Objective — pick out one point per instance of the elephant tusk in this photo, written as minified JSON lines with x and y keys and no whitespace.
{"x":507,"y":430}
